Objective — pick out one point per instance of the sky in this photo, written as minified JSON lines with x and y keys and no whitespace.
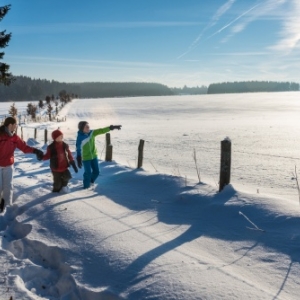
{"x":147,"y":234}
{"x":171,"y":42}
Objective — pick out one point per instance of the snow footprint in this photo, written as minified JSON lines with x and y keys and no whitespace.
{"x":44,"y":271}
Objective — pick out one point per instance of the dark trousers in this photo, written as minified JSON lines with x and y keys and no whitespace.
{"x":60,"y":179}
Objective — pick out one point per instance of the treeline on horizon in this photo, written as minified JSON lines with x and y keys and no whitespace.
{"x":27,"y":89}
{"x":251,"y":86}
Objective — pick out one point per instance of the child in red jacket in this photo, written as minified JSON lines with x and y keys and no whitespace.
{"x":60,"y":159}
{"x":9,"y":142}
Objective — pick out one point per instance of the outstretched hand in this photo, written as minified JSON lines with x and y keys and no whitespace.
{"x":112,"y":127}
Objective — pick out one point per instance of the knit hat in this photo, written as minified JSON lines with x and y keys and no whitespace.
{"x":56,"y":133}
{"x":81,"y":125}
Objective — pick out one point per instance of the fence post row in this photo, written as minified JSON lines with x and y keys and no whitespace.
{"x":46,"y":136}
{"x":109,"y":148}
{"x":225,"y":167}
{"x":225,"y":163}
{"x":141,"y":154}
{"x":35,"y":134}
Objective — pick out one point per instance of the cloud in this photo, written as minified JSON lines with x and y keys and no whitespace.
{"x":267,"y":9}
{"x":88,"y":63}
{"x":290,"y":32}
{"x":222,"y":10}
{"x":82,"y":27}
{"x":259,"y":53}
{"x":285,"y":11}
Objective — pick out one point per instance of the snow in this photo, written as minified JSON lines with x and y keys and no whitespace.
{"x":156,"y":232}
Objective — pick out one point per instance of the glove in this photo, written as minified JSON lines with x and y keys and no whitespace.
{"x":112,"y":127}
{"x":79,"y":162}
{"x":72,"y":163}
{"x":39,"y":153}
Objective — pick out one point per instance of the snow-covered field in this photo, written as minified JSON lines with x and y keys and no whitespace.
{"x":157,"y":233}
{"x":263,"y":128}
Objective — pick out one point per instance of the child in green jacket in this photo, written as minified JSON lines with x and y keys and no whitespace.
{"x":87,"y":152}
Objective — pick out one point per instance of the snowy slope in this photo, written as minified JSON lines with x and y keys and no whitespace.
{"x":140,"y":234}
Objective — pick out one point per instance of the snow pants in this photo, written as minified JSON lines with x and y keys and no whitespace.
{"x":91,"y":172}
{"x":6,"y":184}
{"x":60,"y":179}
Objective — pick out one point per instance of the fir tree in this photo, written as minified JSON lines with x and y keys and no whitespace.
{"x":41,"y":104}
{"x":6,"y":78}
{"x":13,"y":111}
{"x":48,"y":99}
{"x":56,"y":107}
{"x":29,"y":109}
{"x":62,"y":95}
{"x":33,"y":112}
{"x":49,"y":111}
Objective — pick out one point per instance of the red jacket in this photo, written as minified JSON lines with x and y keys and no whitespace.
{"x":8,"y":145}
{"x":59,"y":155}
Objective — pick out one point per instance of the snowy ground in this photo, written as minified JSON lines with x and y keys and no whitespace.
{"x":156,"y":233}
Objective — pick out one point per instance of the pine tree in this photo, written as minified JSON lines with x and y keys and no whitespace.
{"x":48,"y":99}
{"x":29,"y":109}
{"x":49,"y":111}
{"x":56,"y":107}
{"x":41,"y":104}
{"x":6,"y":78}
{"x":33,"y":112}
{"x":13,"y":111}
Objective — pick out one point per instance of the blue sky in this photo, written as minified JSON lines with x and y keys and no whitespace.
{"x":171,"y":42}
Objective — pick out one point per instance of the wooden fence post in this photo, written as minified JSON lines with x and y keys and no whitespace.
{"x":35,"y":133}
{"x":46,"y":136}
{"x":225,"y":163}
{"x":109,"y":148}
{"x":141,"y":154}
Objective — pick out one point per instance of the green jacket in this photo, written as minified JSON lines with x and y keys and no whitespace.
{"x":85,"y":143}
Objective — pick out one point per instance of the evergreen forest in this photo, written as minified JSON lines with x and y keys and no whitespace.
{"x":27,"y":89}
{"x":251,"y":86}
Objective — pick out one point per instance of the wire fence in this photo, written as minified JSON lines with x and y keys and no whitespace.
{"x":272,"y":173}
{"x":262,"y":171}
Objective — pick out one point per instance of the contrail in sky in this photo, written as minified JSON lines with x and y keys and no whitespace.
{"x":237,"y":18}
{"x":222,"y":10}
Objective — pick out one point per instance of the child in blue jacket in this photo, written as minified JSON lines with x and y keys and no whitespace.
{"x":87,"y":151}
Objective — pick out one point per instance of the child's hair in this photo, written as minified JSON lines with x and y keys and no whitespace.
{"x":81,"y":125}
{"x":7,"y":121}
